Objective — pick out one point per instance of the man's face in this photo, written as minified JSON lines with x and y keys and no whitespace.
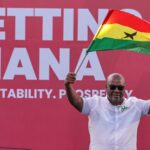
{"x":115,"y":91}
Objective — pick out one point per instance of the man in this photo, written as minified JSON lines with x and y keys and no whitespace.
{"x":113,"y":120}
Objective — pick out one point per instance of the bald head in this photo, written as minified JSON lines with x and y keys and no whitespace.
{"x":116,"y":76}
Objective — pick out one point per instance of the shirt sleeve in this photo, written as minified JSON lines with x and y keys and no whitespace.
{"x":89,"y":103}
{"x":143,"y":105}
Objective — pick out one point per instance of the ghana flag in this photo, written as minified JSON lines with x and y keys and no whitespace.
{"x":121,"y":30}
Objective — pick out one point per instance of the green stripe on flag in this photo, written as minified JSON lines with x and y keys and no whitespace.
{"x":115,"y":44}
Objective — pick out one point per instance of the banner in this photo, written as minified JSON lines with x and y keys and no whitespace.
{"x":40,"y":42}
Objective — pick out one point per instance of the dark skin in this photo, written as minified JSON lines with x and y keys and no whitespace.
{"x":73,"y":97}
{"x":115,"y":96}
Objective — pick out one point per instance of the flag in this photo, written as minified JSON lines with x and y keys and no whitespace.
{"x":123,"y":31}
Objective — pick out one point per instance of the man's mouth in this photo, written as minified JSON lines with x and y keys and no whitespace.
{"x":116,"y":95}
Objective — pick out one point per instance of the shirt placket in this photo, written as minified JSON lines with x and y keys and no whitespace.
{"x":116,"y":129}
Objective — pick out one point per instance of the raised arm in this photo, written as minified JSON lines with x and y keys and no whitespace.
{"x":73,"y":97}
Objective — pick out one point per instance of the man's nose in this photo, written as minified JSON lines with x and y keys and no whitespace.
{"x":116,"y":89}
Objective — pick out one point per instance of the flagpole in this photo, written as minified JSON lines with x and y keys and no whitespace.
{"x":81,"y":63}
{"x":77,"y":70}
{"x":99,"y":29}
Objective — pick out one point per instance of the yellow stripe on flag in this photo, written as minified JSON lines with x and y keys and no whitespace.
{"x":117,"y":31}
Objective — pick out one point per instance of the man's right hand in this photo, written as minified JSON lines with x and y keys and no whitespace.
{"x":70,"y":78}
{"x":73,"y":97}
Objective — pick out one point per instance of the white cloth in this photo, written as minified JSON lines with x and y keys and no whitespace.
{"x":114,"y":127}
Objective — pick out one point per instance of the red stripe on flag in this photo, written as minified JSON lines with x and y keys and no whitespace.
{"x":126,"y":19}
